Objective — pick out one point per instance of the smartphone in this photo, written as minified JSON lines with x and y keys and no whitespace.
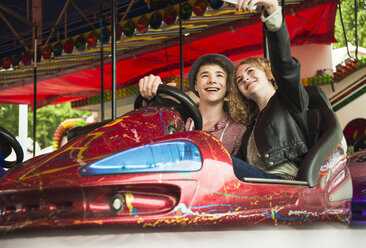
{"x":231,"y":1}
{"x":235,"y":2}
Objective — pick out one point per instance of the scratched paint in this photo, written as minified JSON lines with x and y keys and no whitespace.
{"x":129,"y":199}
{"x":216,"y":196}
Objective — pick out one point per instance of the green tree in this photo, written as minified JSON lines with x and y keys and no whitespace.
{"x":48,"y":119}
{"x":9,"y":116}
{"x":348,"y":15}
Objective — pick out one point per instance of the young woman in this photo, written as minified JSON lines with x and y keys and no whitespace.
{"x":272,"y":104}
{"x":208,"y":79}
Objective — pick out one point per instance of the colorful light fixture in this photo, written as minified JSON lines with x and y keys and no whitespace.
{"x":92,"y":39}
{"x":187,"y":11}
{"x":129,"y":28}
{"x":69,"y":46}
{"x":26,"y":58}
{"x":200,"y":7}
{"x":6,"y":63}
{"x":170,"y":16}
{"x":47,"y":52}
{"x":80,"y":43}
{"x":216,"y":4}
{"x":15,"y":59}
{"x":142,"y":25}
{"x":156,"y":20}
{"x":57,"y":49}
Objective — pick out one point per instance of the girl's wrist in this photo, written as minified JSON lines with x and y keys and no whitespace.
{"x":271,"y":9}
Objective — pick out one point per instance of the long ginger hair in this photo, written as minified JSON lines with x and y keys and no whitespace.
{"x":242,"y":109}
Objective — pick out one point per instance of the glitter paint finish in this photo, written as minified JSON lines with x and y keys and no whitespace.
{"x":50,"y":191}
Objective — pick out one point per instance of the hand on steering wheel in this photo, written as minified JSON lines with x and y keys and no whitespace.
{"x":184,"y":104}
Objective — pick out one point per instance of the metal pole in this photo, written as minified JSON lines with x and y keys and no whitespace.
{"x":114,"y":71}
{"x":23,"y":128}
{"x":101,"y":62}
{"x":265,"y":43}
{"x":181,"y":63}
{"x":35,"y":92}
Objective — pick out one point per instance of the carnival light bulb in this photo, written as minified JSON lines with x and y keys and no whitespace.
{"x":15,"y":59}
{"x":129,"y":28}
{"x":69,"y":46}
{"x":26,"y":58}
{"x":156,"y":20}
{"x":199,"y":7}
{"x":170,"y":16}
{"x":80,"y":43}
{"x":57,"y":49}
{"x":142,"y":25}
{"x":47,"y":52}
{"x":92,"y":39}
{"x":6,"y":63}
{"x":187,"y":11}
{"x":216,"y":4}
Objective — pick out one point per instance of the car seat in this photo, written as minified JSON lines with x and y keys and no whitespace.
{"x":325,"y":135}
{"x":78,"y":131}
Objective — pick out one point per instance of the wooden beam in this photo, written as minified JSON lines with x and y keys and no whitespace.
{"x":19,"y":37}
{"x":58,"y":20}
{"x":83,"y":15}
{"x":15,"y":14}
{"x":128,"y":10}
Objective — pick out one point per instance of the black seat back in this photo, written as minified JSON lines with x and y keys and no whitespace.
{"x":77,"y":131}
{"x":325,"y":135}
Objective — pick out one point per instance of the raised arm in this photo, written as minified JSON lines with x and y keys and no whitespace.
{"x":286,"y":69}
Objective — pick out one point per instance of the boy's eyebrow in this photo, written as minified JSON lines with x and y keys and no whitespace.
{"x":203,"y":72}
{"x":215,"y":71}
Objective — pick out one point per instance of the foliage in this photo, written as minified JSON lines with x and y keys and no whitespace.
{"x":48,"y":119}
{"x":9,"y":116}
{"x":348,"y":15}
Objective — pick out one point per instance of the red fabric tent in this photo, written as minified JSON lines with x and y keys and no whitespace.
{"x":310,"y":22}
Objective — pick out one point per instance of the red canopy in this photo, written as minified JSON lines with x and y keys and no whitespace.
{"x":308,"y":22}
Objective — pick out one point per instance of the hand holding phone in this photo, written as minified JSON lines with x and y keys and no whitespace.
{"x":235,"y":2}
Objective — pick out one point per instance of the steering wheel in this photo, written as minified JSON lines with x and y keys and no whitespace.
{"x":184,"y":104}
{"x":7,"y":142}
{"x":360,"y":143}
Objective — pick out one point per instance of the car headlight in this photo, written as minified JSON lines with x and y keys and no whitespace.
{"x":170,"y":156}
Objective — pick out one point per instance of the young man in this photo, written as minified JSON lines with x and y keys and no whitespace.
{"x":208,"y":79}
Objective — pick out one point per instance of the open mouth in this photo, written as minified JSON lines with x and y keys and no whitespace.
{"x":212,"y":89}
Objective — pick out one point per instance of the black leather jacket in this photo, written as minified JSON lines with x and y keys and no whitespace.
{"x":281,"y":130}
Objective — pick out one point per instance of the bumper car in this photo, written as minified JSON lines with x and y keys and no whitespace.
{"x":144,"y":171}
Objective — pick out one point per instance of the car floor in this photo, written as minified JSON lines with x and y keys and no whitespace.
{"x":323,"y":235}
